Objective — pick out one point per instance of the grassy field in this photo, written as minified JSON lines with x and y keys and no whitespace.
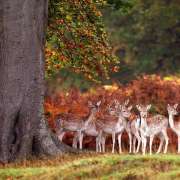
{"x":93,"y":166}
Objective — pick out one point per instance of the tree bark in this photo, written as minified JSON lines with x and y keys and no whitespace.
{"x":23,"y":129}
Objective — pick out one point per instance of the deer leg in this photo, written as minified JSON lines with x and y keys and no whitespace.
{"x":75,"y":140}
{"x":81,"y":135}
{"x":138,"y":138}
{"x":178,"y":143}
{"x":150,"y":144}
{"x":142,"y":147}
{"x":61,"y":134}
{"x":166,"y":140}
{"x":145,"y":143}
{"x":113,"y":140}
{"x":138,"y":146}
{"x":130,"y":142}
{"x":144,"y":140}
{"x":139,"y":142}
{"x":134,"y":144}
{"x":98,"y":145}
{"x":161,"y":144}
{"x":103,"y":144}
{"x":99,"y":142}
{"x":119,"y":143}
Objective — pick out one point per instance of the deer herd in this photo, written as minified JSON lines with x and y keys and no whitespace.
{"x":140,"y":130}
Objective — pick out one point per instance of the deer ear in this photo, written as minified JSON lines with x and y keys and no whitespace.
{"x":90,"y":103}
{"x":120,"y":106}
{"x":129,"y":108}
{"x":109,"y":109}
{"x":148,"y":107}
{"x":168,"y":106}
{"x":175,"y":106}
{"x":138,"y":107}
{"x":116,"y":101}
{"x":98,"y":103}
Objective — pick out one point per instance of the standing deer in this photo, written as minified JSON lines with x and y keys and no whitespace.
{"x":73,"y":125}
{"x":117,"y":127}
{"x":157,"y":126}
{"x":134,"y":128}
{"x":89,"y":127}
{"x":172,"y":111}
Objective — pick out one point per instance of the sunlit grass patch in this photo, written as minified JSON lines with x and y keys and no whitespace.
{"x":99,"y":166}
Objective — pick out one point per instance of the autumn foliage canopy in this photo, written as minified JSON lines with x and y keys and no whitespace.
{"x":77,"y":40}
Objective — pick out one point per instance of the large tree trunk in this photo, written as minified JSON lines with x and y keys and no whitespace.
{"x":23,"y":130}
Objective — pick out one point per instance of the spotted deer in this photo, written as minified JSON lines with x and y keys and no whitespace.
{"x":134,"y":129}
{"x":74,"y":125}
{"x":89,"y":127}
{"x":172,"y":111}
{"x":113,"y":128}
{"x":157,"y":126}
{"x":90,"y":130}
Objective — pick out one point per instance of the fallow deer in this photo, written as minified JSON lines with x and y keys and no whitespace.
{"x":89,"y":127}
{"x":157,"y":126}
{"x":117,"y":127}
{"x":77,"y":126}
{"x":172,"y":111}
{"x":134,"y":129}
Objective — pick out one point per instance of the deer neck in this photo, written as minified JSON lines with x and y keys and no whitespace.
{"x":143,"y":123}
{"x":171,"y":122}
{"x":91,"y":116}
{"x":122,"y":119}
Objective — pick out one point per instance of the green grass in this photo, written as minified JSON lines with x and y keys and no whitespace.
{"x":93,"y":166}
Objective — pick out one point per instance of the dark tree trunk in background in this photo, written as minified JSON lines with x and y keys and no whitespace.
{"x":23,"y":130}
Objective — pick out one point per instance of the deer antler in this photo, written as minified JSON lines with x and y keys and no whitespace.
{"x":126,"y":102}
{"x":116,"y":103}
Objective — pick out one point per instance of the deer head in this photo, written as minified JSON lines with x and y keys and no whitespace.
{"x":172,"y":109}
{"x":113,"y":110}
{"x":120,"y":109}
{"x":116,"y":102}
{"x":94,"y":106}
{"x":110,"y":109}
{"x":143,"y":110}
{"x":125,"y":111}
